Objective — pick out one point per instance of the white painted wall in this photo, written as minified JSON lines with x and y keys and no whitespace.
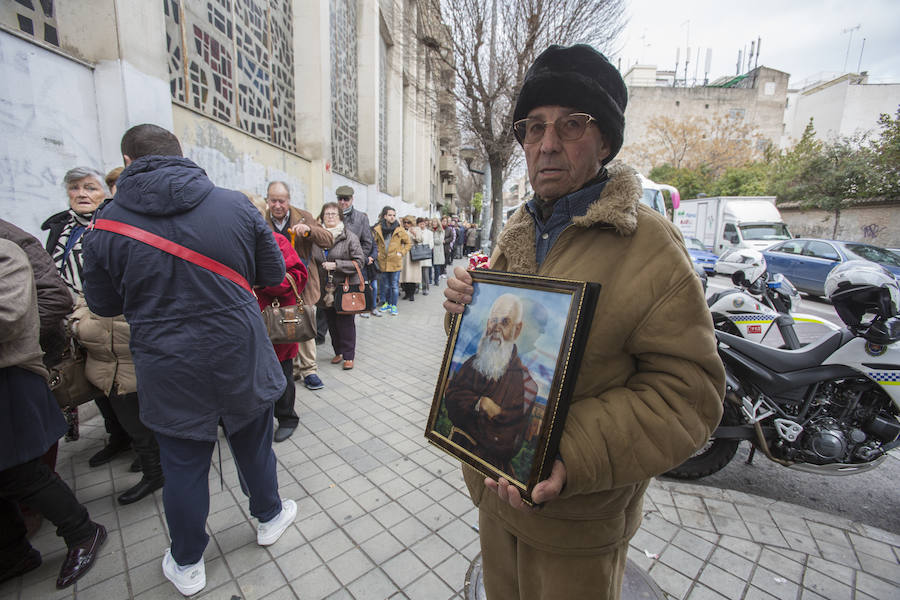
{"x":842,"y":109}
{"x":48,"y":124}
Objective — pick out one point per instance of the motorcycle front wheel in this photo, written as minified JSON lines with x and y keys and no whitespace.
{"x":713,"y":456}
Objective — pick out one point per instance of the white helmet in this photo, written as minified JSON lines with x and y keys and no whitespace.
{"x":860,"y":287}
{"x":753,"y":264}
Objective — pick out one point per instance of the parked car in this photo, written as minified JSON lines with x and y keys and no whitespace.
{"x":733,"y":260}
{"x":701,"y":257}
{"x":807,"y":262}
{"x":701,"y":273}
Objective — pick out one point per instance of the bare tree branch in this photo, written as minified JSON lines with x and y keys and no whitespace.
{"x":489,"y":46}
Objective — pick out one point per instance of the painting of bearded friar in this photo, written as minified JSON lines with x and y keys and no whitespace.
{"x":490,"y":397}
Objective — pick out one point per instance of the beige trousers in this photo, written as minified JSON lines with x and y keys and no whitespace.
{"x":513,"y":570}
{"x":306,"y":355}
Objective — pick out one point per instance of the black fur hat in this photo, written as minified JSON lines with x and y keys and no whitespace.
{"x":580,"y":77}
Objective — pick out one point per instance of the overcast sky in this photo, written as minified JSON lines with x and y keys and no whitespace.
{"x":803,"y":38}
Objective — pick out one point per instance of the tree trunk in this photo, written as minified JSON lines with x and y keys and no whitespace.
{"x":496,"y":201}
{"x":837,"y":222}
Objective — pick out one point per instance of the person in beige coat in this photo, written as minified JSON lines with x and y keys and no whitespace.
{"x":392,"y":243}
{"x":110,"y":367}
{"x":411,"y":271}
{"x":649,"y":390}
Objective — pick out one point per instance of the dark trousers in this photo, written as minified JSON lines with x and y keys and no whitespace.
{"x":426,"y":277}
{"x":438,"y":271}
{"x":186,"y":491}
{"x":343,"y":333}
{"x":284,"y":407}
{"x":40,"y":488}
{"x":128,"y":413}
{"x":117,"y":433}
{"x":321,"y":327}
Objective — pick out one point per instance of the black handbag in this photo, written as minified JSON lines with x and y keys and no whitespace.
{"x":289,"y":324}
{"x":350,"y":300}
{"x":420,"y":252}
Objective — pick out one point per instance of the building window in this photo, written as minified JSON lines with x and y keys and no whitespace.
{"x":233,"y":60}
{"x":344,"y":98}
{"x":36,"y":18}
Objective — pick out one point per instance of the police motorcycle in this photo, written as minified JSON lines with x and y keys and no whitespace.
{"x":831,"y":407}
{"x":760,"y":302}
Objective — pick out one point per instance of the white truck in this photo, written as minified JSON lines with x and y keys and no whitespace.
{"x":726,"y":222}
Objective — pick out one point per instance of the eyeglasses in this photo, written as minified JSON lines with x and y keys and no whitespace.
{"x":568,"y":128}
{"x":330,"y":214}
{"x":347,"y":198}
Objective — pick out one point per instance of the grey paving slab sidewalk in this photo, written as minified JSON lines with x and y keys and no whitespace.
{"x":382,"y":515}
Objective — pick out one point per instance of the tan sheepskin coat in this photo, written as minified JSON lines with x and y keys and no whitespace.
{"x":649,"y":389}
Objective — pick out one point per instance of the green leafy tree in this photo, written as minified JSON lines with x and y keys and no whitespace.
{"x":884,"y":178}
{"x":748,"y":180}
{"x":690,"y":182}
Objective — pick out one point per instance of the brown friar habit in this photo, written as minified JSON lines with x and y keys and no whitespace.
{"x":495,"y":440}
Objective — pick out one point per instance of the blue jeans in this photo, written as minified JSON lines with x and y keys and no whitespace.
{"x":388,"y":287}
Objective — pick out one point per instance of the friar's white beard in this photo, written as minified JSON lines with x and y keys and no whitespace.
{"x":492,"y":357}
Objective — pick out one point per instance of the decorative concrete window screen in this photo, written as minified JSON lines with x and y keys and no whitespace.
{"x":233,"y":60}
{"x":344,"y":98}
{"x":36,"y":18}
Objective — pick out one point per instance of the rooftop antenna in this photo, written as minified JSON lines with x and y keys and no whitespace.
{"x":708,"y":64}
{"x":849,"y":30}
{"x":737,"y":67}
{"x":677,"y":62}
{"x":750,"y":56}
{"x":758,"y":46}
{"x":687,"y":54}
{"x":696,"y":66}
{"x":859,"y":64}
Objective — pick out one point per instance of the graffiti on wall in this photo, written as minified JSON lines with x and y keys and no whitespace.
{"x":43,"y":131}
{"x":872,"y":230}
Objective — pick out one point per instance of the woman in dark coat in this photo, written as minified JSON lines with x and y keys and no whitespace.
{"x":343,"y":262}
{"x":87,"y":190}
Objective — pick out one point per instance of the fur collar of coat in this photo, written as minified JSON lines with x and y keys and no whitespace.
{"x":616,"y":208}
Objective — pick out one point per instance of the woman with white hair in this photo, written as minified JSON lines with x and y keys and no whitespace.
{"x":87,"y":190}
{"x":109,"y":366}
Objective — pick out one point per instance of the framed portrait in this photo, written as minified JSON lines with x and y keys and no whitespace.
{"x":508,"y":373}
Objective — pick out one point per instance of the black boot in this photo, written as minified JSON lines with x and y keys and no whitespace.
{"x":110,"y":451}
{"x":151,"y":481}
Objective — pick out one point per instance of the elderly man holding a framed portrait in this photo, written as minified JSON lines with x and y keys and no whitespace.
{"x":649,"y":384}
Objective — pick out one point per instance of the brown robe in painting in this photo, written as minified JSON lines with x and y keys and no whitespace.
{"x":495,"y":440}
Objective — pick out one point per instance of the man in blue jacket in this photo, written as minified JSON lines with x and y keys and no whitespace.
{"x":200,"y":348}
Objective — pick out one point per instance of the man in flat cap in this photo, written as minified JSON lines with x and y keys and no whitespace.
{"x":649,"y":389}
{"x":358,"y":222}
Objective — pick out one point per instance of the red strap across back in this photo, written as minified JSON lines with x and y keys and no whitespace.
{"x":171,"y":247}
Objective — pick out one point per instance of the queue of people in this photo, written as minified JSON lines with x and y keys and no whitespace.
{"x":177,"y":350}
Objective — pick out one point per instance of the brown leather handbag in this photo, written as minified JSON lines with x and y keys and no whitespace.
{"x":289,"y":324}
{"x":68,"y":382}
{"x":357,"y":300}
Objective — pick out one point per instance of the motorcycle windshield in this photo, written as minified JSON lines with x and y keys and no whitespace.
{"x":782,"y":286}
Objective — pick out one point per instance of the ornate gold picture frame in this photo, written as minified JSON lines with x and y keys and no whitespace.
{"x":508,"y":374}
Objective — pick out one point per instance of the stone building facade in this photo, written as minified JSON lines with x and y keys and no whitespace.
{"x":317,"y":93}
{"x":757,"y":97}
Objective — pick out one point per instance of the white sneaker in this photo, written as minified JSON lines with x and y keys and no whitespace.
{"x":269,"y":532}
{"x":189,"y":579}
